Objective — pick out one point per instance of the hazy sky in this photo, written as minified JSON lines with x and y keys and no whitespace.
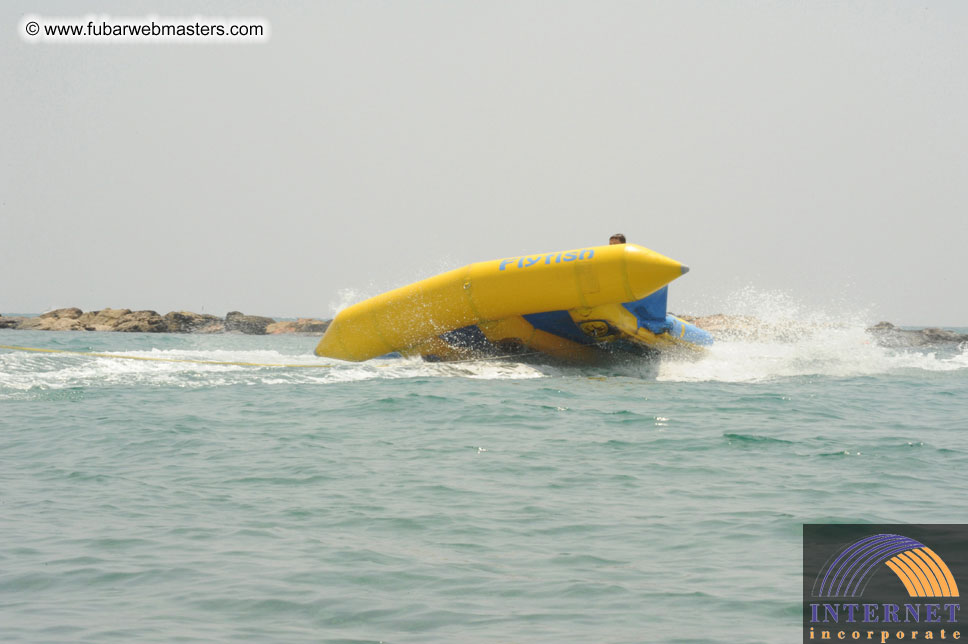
{"x":816,"y":148}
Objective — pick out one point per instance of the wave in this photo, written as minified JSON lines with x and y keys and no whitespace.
{"x":844,"y":352}
{"x":783,"y":339}
{"x":23,"y":372}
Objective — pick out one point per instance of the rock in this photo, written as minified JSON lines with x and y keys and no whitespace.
{"x":251,"y":324}
{"x":286,"y":326}
{"x":939,"y":336}
{"x":188,"y":322}
{"x":141,"y":322}
{"x":889,"y":335}
{"x":103,"y":320}
{"x":37,"y":324}
{"x":215,"y":327}
{"x":11,"y":322}
{"x":107,"y":320}
{"x":58,"y":320}
{"x":883,"y":326}
{"x":87,"y":320}
{"x":71,"y":313}
{"x":302,"y":325}
{"x":312,"y":325}
{"x":112,"y":314}
{"x":65,"y":324}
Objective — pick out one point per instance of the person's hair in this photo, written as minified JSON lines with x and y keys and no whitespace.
{"x":618,"y":236}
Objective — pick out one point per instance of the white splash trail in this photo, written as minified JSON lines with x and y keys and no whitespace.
{"x":785,"y":339}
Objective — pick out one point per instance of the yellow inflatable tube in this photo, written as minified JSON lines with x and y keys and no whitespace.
{"x":495,"y":290}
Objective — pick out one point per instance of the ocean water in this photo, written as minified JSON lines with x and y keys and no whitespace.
{"x":398,"y":501}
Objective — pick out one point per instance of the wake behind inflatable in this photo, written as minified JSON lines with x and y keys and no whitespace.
{"x":576,"y":306}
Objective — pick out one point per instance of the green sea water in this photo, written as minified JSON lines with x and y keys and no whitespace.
{"x":398,"y":501}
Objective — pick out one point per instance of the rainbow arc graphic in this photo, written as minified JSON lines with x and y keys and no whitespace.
{"x":919,"y":568}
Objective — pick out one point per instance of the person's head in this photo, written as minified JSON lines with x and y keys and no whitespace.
{"x":617,"y":238}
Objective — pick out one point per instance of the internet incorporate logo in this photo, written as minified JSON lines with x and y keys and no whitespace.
{"x":919,"y":568}
{"x":884,"y":586}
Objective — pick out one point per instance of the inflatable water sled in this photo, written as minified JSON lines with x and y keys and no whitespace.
{"x":577,"y":306}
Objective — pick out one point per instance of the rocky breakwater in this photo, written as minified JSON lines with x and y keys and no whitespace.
{"x":126,"y":320}
{"x":891,"y":336}
{"x":302,"y":325}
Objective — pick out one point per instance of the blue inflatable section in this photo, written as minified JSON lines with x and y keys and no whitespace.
{"x":558,"y":323}
{"x":651,"y":313}
{"x":688,"y":332}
